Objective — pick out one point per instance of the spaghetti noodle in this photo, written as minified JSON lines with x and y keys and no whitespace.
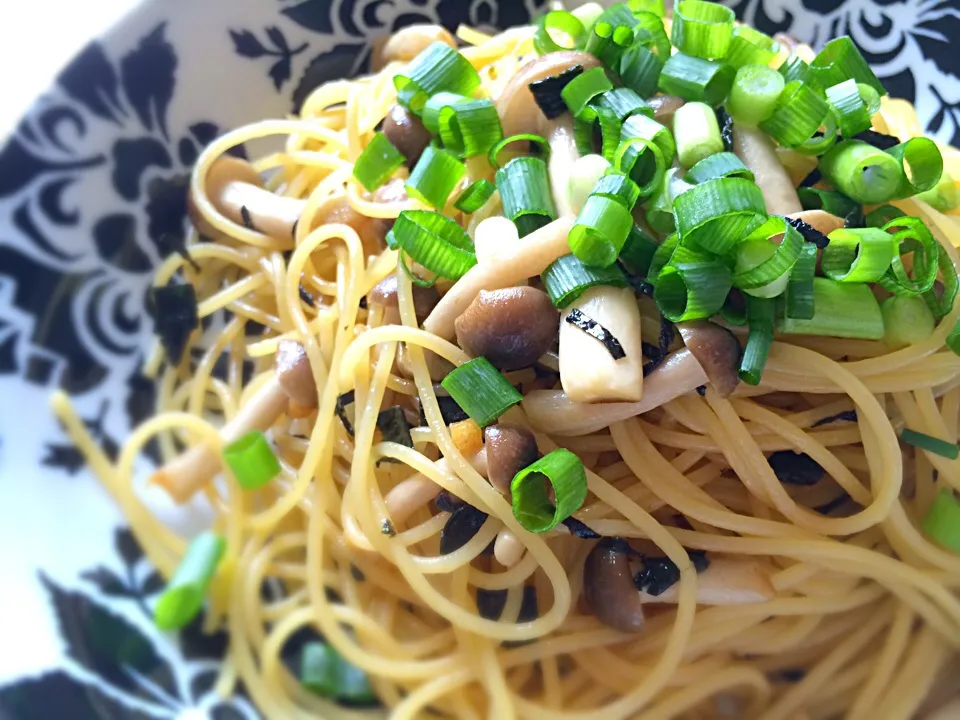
{"x":802,"y":613}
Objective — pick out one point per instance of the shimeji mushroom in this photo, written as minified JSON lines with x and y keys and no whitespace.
{"x":757,"y":152}
{"x":589,"y":371}
{"x":236,"y":190}
{"x":611,"y":593}
{"x":712,"y":355}
{"x":505,"y":268}
{"x":519,"y":113}
{"x":291,"y":387}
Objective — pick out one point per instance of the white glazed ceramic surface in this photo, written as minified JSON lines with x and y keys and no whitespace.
{"x":91,"y":194}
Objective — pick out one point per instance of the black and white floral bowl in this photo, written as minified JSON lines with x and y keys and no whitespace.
{"x":92,"y":190}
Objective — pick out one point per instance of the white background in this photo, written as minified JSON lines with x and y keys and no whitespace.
{"x":37,"y":38}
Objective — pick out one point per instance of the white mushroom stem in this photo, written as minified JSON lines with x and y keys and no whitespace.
{"x":507,"y":548}
{"x":190,"y":471}
{"x":267,"y":212}
{"x":588,"y":372}
{"x":757,"y":152}
{"x":725,"y":582}
{"x":563,"y":155}
{"x":416,"y":491}
{"x":504,"y":269}
{"x":819,"y":220}
{"x":552,"y":412}
{"x":493,"y":236}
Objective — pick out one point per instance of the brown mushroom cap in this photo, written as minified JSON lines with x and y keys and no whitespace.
{"x":406,"y":133}
{"x":664,"y":107}
{"x":717,"y":350}
{"x":384,"y":293}
{"x":609,"y":590}
{"x":294,"y":374}
{"x":510,"y":448}
{"x":510,"y":327}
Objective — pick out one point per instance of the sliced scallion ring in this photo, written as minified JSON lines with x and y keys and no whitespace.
{"x":750,"y":47}
{"x":921,"y":164}
{"x":768,"y":276}
{"x":691,"y":286}
{"x":436,"y":242}
{"x":600,"y":231}
{"x":717,"y":214}
{"x":702,"y":29}
{"x":525,"y":193}
{"x":910,"y":235}
{"x":723,"y":164}
{"x":565,"y":473}
{"x":858,"y":255}
{"x":643,"y":161}
{"x":558,"y":25}
{"x":494,"y":155}
{"x":566,"y":279}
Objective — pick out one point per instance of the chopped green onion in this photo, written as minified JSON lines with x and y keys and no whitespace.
{"x":640,"y":69}
{"x":862,"y":172}
{"x":435,"y":106}
{"x":697,"y":79}
{"x":652,"y":24}
{"x":475,"y":196}
{"x":942,"y":304}
{"x":763,"y":267}
{"x":584,"y":88}
{"x":661,"y":256}
{"x":858,"y":255}
{"x":921,"y":164}
{"x":702,"y":29}
{"x":750,"y":47}
{"x":930,"y":444}
{"x":640,"y":126}
{"x":882,"y":215}
{"x":717,"y":214}
{"x":638,"y":252}
{"x":942,"y":521}
{"x":607,"y":42}
{"x":829,"y":201}
{"x":691,"y":286}
{"x":911,"y":236}
{"x":617,"y":186}
{"x":760,"y":315}
{"x":480,"y":389}
{"x":558,"y":23}
{"x":906,"y":320}
{"x":870,"y":97}
{"x":439,"y":67}
{"x":851,"y":111}
{"x":839,"y":61}
{"x":651,"y":6}
{"x":800,"y":287}
{"x":495,"y":151}
{"x":566,"y":279}
{"x":755,"y":94}
{"x":565,"y":473}
{"x":324,"y":672}
{"x":624,"y":102}
{"x":184,"y":594}
{"x":660,"y":215}
{"x":525,"y":193}
{"x":471,"y":127}
{"x":600,"y":231}
{"x":609,"y":125}
{"x":847,"y":310}
{"x":945,"y":196}
{"x":799,"y":113}
{"x":696,"y":132}
{"x":588,"y":13}
{"x":546,"y":91}
{"x":436,"y":242}
{"x":953,"y":339}
{"x":584,"y":175}
{"x":794,"y":68}
{"x":252,"y":460}
{"x":722,"y":164}
{"x":643,"y":161}
{"x":378,"y":161}
{"x":433,"y":178}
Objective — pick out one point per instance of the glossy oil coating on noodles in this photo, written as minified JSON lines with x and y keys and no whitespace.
{"x":801,"y":614}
